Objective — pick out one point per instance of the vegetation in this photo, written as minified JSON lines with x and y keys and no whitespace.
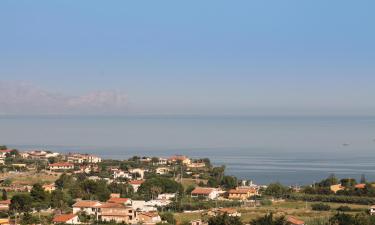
{"x":225,"y":220}
{"x":320,"y":207}
{"x":268,"y":219}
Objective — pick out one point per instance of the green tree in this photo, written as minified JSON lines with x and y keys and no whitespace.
{"x":268,"y":219}
{"x":276,"y":190}
{"x":229,"y":182}
{"x":5,"y":195}
{"x":20,"y":203}
{"x":40,"y":197}
{"x":59,"y":200}
{"x":225,"y":220}
{"x":167,"y":216}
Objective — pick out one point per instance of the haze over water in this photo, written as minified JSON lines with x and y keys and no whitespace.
{"x":292,"y":150}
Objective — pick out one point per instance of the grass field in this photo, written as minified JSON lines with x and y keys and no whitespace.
{"x":298,"y":209}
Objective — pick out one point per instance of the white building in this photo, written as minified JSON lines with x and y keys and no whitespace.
{"x":203,"y":192}
{"x":87,"y":206}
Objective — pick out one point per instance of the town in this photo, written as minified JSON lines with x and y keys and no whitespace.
{"x":45,"y":187}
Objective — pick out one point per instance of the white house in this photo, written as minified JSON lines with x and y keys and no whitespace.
{"x":87,"y":206}
{"x":61,"y":166}
{"x":203,"y":192}
{"x":121,"y":174}
{"x":136,"y":184}
{"x":162,"y":170}
{"x":138,"y":171}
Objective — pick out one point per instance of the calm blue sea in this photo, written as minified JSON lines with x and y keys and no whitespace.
{"x":292,"y":150}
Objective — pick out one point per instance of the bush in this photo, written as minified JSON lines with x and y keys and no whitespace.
{"x":266,"y":202}
{"x":320,"y":207}
{"x":344,"y":208}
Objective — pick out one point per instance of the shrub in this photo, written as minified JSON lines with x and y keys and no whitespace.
{"x":266,"y":202}
{"x":344,"y":208}
{"x":320,"y":207}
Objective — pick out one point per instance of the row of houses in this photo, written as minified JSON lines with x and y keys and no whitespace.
{"x":239,"y":193}
{"x":120,"y":210}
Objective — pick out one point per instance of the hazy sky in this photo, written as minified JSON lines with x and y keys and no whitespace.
{"x":235,"y":57}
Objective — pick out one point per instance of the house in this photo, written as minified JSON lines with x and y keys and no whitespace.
{"x":124,"y":201}
{"x":242,"y":193}
{"x":148,"y":217}
{"x":179,"y":158}
{"x":118,"y":213}
{"x":4,"y":205}
{"x":166,"y":196}
{"x":4,"y":222}
{"x":121,"y":174}
{"x":162,"y":170}
{"x":197,"y":165}
{"x":4,"y":153}
{"x":66,"y":218}
{"x":83,"y":158}
{"x":136,"y":184}
{"x":294,"y":221}
{"x":198,"y":222}
{"x":372,"y":210}
{"x":143,"y":206}
{"x":337,"y":187}
{"x":202,"y":192}
{"x":360,"y":186}
{"x":49,"y":187}
{"x":61,"y":166}
{"x":138,"y":173}
{"x":161,"y":161}
{"x":87,"y":206}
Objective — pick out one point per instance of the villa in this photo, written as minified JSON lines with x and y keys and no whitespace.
{"x":203,"y":192}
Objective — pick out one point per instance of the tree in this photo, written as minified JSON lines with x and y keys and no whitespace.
{"x":20,"y":203}
{"x":59,"y":200}
{"x":5,"y":195}
{"x":40,"y":197}
{"x":342,"y":219}
{"x":276,"y":190}
{"x":166,"y":185}
{"x":268,"y":219}
{"x":167,"y":216}
{"x":224,"y":219}
{"x":229,"y":182}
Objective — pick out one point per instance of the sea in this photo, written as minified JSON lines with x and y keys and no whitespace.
{"x":293,"y":150}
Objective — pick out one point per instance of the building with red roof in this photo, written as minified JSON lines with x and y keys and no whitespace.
{"x":66,"y":218}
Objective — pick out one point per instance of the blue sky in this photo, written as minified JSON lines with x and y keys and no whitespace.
{"x":194,"y":57}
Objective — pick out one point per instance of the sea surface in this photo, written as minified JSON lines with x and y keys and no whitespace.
{"x":291,"y":150}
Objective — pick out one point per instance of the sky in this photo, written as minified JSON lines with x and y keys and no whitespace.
{"x":193,"y":57}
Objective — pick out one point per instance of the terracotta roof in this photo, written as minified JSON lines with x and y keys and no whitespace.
{"x":202,"y":191}
{"x":178,"y":157}
{"x":360,"y":186}
{"x":5,"y":202}
{"x":87,"y":204}
{"x":295,"y":221}
{"x":63,"y":218}
{"x":112,"y":205}
{"x":238,"y":191}
{"x":6,"y":150}
{"x":149,"y":214}
{"x":136,"y":182}
{"x":118,"y":200}
{"x":61,"y":164}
